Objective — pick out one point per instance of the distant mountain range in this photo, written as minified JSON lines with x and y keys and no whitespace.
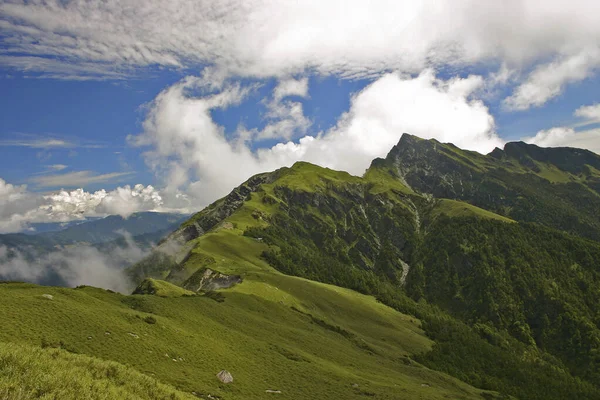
{"x":145,"y":227}
{"x":42,"y":227}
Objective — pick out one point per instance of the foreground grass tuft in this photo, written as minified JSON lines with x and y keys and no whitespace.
{"x":28,"y":372}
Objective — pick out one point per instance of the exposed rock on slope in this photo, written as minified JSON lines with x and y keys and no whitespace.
{"x":207,"y":279}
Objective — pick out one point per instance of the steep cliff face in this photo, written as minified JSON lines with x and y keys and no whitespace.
{"x":169,"y":256}
{"x":221,"y":209}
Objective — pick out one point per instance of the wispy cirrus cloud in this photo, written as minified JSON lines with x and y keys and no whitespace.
{"x":77,"y":179}
{"x":48,"y":169}
{"x":47,"y":142}
{"x":56,"y":167}
{"x":43,"y":67}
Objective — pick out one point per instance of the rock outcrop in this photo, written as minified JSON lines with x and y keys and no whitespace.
{"x":206,"y":279}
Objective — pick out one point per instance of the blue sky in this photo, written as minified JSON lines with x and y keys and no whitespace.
{"x":187,"y":100}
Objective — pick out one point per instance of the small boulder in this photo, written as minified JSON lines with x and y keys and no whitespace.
{"x":225,"y":377}
{"x":48,"y":296}
{"x":273,"y":391}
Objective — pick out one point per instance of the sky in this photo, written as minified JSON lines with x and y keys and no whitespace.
{"x":120,"y":106}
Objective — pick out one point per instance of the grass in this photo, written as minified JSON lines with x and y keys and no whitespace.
{"x":303,"y":176}
{"x":28,"y":372}
{"x":266,"y":333}
{"x":457,"y":209}
{"x":382,"y":181}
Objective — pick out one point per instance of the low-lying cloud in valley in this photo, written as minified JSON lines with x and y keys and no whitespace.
{"x":72,"y":266}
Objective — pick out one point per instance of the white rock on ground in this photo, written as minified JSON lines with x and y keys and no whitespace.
{"x":225,"y":377}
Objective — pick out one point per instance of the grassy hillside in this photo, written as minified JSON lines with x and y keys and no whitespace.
{"x":29,"y":372}
{"x":471,"y":301}
{"x":273,"y":332}
{"x":371,"y":234}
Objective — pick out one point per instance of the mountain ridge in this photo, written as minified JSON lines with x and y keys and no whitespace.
{"x":375,"y":234}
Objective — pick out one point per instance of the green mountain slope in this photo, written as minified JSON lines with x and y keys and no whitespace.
{"x":444,"y":286}
{"x":272,"y":332}
{"x":500,"y":283}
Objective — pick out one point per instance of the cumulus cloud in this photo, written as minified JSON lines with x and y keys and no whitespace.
{"x":73,"y":266}
{"x":125,"y":201}
{"x":14,"y":202}
{"x":194,"y":154}
{"x":20,"y":207}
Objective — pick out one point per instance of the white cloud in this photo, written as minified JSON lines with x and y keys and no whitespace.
{"x":285,"y":117}
{"x":187,"y":146}
{"x":548,"y":81}
{"x":14,"y":202}
{"x":41,"y":67}
{"x":19,"y":207}
{"x":122,"y":201}
{"x":273,"y":38}
{"x":591,"y":113}
{"x":125,"y":201}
